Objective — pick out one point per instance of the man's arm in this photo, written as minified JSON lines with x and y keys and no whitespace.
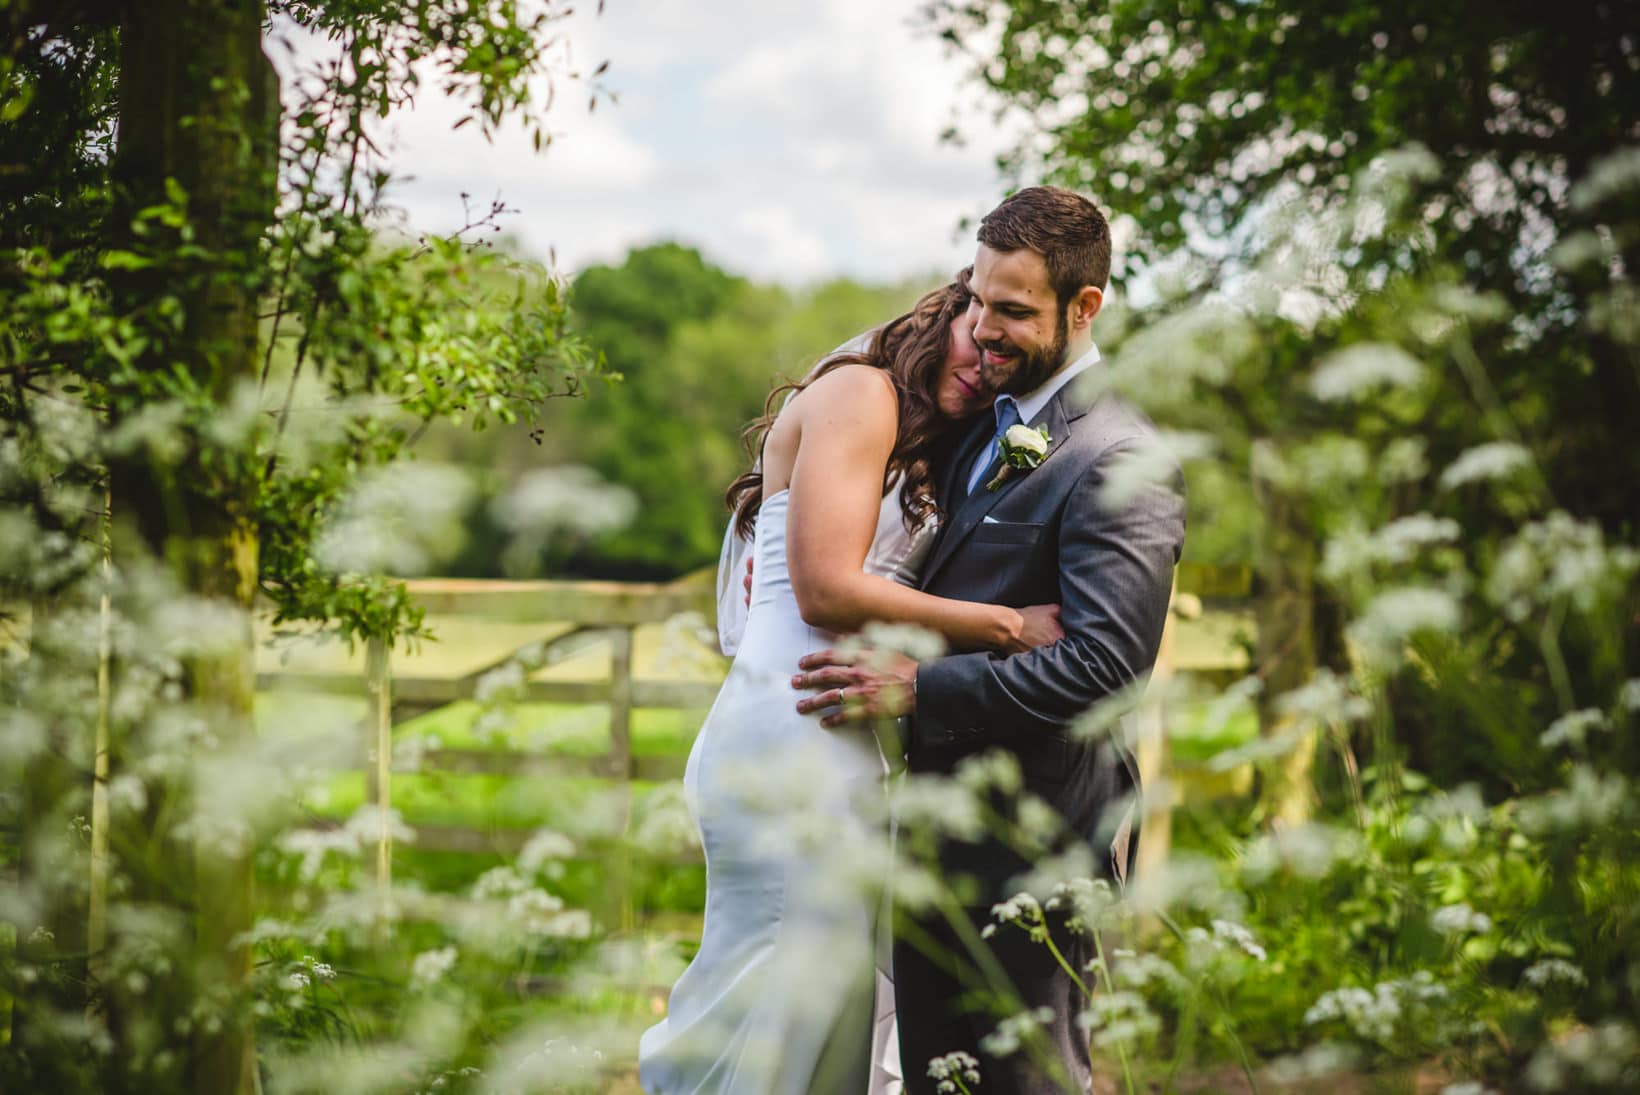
{"x":1115,"y":578}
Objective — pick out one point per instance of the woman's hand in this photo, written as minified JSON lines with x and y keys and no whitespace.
{"x":1039,"y":626}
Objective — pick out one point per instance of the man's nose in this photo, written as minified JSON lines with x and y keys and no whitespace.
{"x":985,"y":328}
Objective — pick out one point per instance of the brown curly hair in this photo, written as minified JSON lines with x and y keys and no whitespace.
{"x":911,"y":348}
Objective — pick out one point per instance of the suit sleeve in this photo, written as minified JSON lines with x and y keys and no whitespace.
{"x":1115,"y":579}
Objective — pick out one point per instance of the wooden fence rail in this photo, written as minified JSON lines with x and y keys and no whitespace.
{"x":606,"y":614}
{"x":597,"y":614}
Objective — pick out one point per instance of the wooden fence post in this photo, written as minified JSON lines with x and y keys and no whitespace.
{"x":379,"y":728}
{"x":1155,"y":761}
{"x":620,"y":761}
{"x":620,"y":702}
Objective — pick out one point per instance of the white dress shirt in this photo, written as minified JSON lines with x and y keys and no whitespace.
{"x":1032,"y":404}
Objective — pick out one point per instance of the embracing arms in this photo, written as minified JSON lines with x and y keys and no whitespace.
{"x":1115,"y":577}
{"x":836,"y":443}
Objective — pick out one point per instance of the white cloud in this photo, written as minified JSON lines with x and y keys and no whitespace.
{"x":790,"y":142}
{"x":774,"y":241}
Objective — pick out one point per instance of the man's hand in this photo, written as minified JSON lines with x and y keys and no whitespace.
{"x":867,"y":686}
{"x":746,"y":582}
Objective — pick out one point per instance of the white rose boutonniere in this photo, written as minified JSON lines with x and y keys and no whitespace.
{"x":1022,"y":449}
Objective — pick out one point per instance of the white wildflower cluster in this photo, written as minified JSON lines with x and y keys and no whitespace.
{"x":1592,"y":800}
{"x":529,"y":909}
{"x":1325,"y":698}
{"x":191,"y":626}
{"x":214,"y":831}
{"x":1400,"y":612}
{"x":1547,"y":972}
{"x":1185,"y":881}
{"x":404,"y":519}
{"x":503,"y":684}
{"x":938,"y":805}
{"x":538,"y":912}
{"x":1050,"y":872}
{"x":1085,"y":901}
{"x":1362,"y":369}
{"x":529,"y":1062}
{"x":1628,"y":697}
{"x":499,"y":882}
{"x":1375,"y":1014}
{"x":430,"y":967}
{"x":917,"y":643}
{"x":546,"y":849}
{"x":348,"y":841}
{"x":953,"y":1068}
{"x":1403,"y":460}
{"x":1239,"y":937}
{"x":1013,"y":1031}
{"x":448,"y":1080}
{"x":1467,"y":1087}
{"x":322,"y":971}
{"x":1163,"y":362}
{"x":1022,"y":910}
{"x":664,"y":825}
{"x":1119,"y":1018}
{"x":1454,"y":816}
{"x":1400,"y":542}
{"x":1108,"y":717}
{"x":1606,"y":1056}
{"x":1572,"y":729}
{"x":1151,"y":463}
{"x":1309,"y":851}
{"x":1493,"y":460}
{"x":1558,"y":558}
{"x":409,"y":753}
{"x":1460,"y":919}
{"x":1140,"y":971}
{"x":1614,"y":175}
{"x":1039,"y":823}
{"x":990,"y":769}
{"x":549,"y":503}
{"x":1321,"y":1059}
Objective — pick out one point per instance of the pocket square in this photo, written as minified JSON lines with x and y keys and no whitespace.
{"x":989,"y":520}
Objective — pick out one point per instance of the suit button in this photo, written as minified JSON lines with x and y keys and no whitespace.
{"x":952,"y":736}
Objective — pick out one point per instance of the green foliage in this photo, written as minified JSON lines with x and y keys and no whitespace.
{"x":1376,"y":258}
{"x":206,"y":356}
{"x":697,"y":352}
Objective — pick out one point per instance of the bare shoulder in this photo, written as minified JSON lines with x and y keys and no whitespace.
{"x":860,"y":390}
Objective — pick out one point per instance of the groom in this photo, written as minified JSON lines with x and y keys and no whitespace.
{"x":1048,"y":534}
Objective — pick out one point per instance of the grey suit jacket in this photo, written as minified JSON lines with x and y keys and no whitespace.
{"x":1046,"y":536}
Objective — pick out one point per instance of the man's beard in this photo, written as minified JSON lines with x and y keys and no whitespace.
{"x":1032,"y":368}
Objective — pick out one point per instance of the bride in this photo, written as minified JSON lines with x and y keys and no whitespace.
{"x":838,"y":515}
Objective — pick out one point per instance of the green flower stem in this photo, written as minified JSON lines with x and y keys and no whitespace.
{"x":1104,"y":969}
{"x":991,"y":971}
{"x":1224,"y":1012}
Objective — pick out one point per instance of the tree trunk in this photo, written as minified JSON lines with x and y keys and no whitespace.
{"x":199,"y":105}
{"x":1285,"y":650}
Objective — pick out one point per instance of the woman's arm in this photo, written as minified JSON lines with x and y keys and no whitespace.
{"x":846,"y":424}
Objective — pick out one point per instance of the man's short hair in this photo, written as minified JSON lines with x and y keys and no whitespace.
{"x":1062,"y":226}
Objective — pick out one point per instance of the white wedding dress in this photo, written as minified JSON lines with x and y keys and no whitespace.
{"x":786,"y":995}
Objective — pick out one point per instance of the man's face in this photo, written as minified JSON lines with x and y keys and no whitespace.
{"x":1019,"y":327}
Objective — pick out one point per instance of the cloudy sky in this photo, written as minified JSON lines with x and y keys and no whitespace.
{"x":788,"y":141}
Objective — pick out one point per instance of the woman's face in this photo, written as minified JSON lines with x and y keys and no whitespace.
{"x":960,"y":392}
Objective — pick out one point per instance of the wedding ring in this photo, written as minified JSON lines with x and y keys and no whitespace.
{"x":837,"y":697}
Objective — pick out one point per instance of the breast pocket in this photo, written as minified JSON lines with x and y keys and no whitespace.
{"x":1007,"y":532}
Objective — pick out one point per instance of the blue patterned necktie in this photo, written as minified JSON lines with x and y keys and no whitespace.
{"x":1007,"y":412}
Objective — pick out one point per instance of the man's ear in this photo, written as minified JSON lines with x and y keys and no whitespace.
{"x":1084,"y":306}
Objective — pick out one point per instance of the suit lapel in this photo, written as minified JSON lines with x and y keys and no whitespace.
{"x":967,"y":513}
